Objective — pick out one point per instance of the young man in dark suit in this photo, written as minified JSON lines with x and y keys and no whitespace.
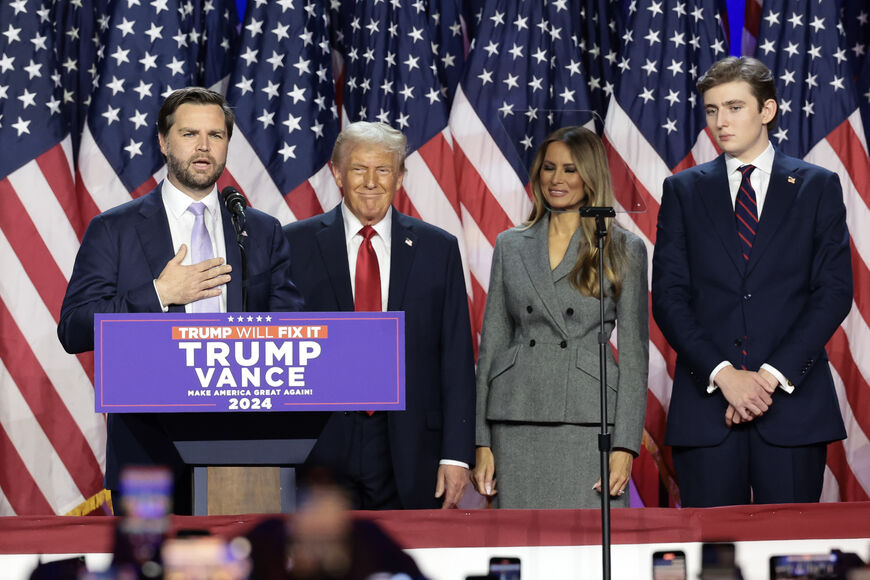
{"x":143,"y":256}
{"x":365,"y":255}
{"x":751,"y":277}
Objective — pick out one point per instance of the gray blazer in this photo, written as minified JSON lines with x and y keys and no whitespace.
{"x":539,"y":345}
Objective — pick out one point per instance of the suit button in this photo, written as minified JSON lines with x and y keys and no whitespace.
{"x":529,"y":309}
{"x":747,"y":297}
{"x":564,"y":344}
{"x":532,"y":342}
{"x":570,"y":312}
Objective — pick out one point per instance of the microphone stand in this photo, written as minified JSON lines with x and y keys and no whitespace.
{"x":599,"y":213}
{"x":241,"y":236}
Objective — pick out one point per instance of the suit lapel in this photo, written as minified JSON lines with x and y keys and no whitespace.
{"x":535,"y":256}
{"x":781,"y":191}
{"x":154,"y":235}
{"x":234,"y":259}
{"x":716,"y":197}
{"x":333,"y":251}
{"x":403,"y":248}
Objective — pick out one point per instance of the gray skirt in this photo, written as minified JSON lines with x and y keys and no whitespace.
{"x":547,"y":466}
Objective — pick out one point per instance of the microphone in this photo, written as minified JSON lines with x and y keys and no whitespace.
{"x":234,"y":201}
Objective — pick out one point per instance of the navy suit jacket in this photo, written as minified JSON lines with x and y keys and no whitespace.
{"x":426,"y":283}
{"x":123,"y":250}
{"x":782,"y":306}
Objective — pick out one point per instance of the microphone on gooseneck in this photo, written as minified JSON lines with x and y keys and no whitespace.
{"x":234,"y":201}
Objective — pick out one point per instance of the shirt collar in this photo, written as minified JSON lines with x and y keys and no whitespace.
{"x":177,"y":201}
{"x":764,"y":162}
{"x":352,"y":225}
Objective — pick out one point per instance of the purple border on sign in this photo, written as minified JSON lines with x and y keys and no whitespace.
{"x":228,"y":362}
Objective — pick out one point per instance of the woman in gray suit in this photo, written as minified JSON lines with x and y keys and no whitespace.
{"x":537,"y":375}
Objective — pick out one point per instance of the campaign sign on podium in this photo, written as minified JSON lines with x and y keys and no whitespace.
{"x":238,"y":362}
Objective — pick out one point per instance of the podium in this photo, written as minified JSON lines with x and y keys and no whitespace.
{"x":230,"y":365}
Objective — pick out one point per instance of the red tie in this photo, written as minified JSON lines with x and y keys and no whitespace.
{"x":368,"y":278}
{"x":368,"y":275}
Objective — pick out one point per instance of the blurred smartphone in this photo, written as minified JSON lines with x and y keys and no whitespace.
{"x":717,"y":555}
{"x":504,"y":568}
{"x":146,"y":497}
{"x":670,"y":565}
{"x":209,"y":557}
{"x":808,"y":566}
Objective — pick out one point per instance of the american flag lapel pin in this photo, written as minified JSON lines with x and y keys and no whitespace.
{"x":791,"y":179}
{"x":409,"y":242}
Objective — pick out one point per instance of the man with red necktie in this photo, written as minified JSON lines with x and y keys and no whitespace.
{"x":366,"y":255}
{"x":751,"y":277}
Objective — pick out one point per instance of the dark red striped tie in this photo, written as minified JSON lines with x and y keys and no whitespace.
{"x":746,"y":212}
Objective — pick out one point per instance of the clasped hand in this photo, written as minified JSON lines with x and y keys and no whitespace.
{"x":748,"y":393}
{"x":178,"y":284}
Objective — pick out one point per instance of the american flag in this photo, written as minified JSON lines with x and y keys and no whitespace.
{"x":655,"y":127}
{"x":52,"y":444}
{"x":805,"y":45}
{"x":283,"y":93}
{"x":524,"y":77}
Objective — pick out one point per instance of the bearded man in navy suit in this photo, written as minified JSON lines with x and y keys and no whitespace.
{"x":398,"y":459}
{"x":751,"y":277}
{"x":139,"y":257}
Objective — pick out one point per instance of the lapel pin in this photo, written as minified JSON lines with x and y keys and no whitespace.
{"x":791,"y":179}
{"x":409,"y":242}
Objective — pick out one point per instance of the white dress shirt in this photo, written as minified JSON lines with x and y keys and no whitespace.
{"x":181,"y":221}
{"x":759,"y":179}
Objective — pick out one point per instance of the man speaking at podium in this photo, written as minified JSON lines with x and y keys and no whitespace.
{"x":174,"y":250}
{"x":366,"y":256}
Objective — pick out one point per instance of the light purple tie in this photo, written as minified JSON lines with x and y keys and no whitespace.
{"x":200,"y":249}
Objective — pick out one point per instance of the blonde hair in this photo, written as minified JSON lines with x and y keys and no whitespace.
{"x":590,"y":159}
{"x":366,"y":133}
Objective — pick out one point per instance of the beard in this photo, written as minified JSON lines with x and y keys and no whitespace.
{"x":185,"y":174}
